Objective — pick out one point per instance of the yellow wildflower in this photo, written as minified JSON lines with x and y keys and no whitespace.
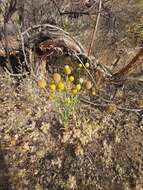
{"x":78,"y":87}
{"x":41,"y":83}
{"x":94,"y":93}
{"x":71,"y":78}
{"x":57,"y":77}
{"x":61,"y":86}
{"x":67,"y":70}
{"x":88,"y":85}
{"x":87,"y":65}
{"x":80,"y":65}
{"x":52,"y":87}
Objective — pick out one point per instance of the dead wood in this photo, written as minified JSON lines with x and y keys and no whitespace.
{"x":51,"y":41}
{"x":132,"y":71}
{"x":44,"y":40}
{"x":131,"y":65}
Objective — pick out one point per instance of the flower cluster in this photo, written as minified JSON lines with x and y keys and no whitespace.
{"x":74,"y":81}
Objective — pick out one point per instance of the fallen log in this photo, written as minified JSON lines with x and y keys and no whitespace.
{"x":43,"y":41}
{"x":51,"y":45}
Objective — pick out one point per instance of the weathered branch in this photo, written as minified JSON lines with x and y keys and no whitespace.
{"x":130,"y":65}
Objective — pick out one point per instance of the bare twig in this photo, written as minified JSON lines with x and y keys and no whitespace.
{"x":95,"y":27}
{"x":133,"y":63}
{"x":80,"y":13}
{"x":16,"y":75}
{"x":86,"y":70}
{"x":92,"y":103}
{"x":116,"y":61}
{"x":6,"y":48}
{"x":129,"y":109}
{"x":105,"y":105}
{"x":134,"y":79}
{"x":23,"y":49}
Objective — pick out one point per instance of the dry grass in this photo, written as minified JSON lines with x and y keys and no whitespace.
{"x":54,"y":143}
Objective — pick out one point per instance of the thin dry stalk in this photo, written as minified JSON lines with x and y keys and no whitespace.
{"x":95,"y":28}
{"x":105,"y":105}
{"x":92,"y":78}
{"x":23,"y":49}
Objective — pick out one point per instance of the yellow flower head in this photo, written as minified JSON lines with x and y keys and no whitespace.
{"x":41,"y":83}
{"x":67,"y":70}
{"x":67,"y":66}
{"x":94,"y":93}
{"x":87,"y":65}
{"x":71,"y":78}
{"x":53,"y":87}
{"x":78,"y":87}
{"x":57,"y":77}
{"x":61,"y":86}
{"x":80,"y":65}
